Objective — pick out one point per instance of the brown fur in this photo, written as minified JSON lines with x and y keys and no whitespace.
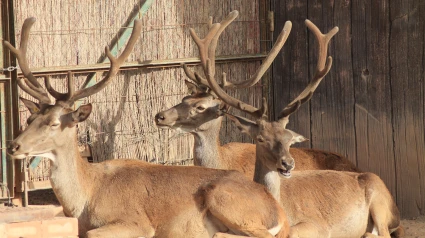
{"x":234,"y":155}
{"x":344,"y":208}
{"x":129,"y":198}
{"x":241,"y":157}
{"x":319,"y":203}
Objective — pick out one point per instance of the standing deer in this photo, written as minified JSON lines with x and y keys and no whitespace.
{"x":129,"y":198}
{"x":201,"y":114}
{"x":318,"y":203}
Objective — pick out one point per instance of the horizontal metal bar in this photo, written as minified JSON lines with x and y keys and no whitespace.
{"x":135,"y":65}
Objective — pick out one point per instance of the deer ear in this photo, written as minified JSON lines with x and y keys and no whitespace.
{"x":244,"y":125}
{"x":32,"y":106}
{"x":193,"y":88}
{"x":82,"y":113}
{"x":297,"y":138}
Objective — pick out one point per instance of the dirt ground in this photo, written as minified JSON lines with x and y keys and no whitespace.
{"x":414,"y":228}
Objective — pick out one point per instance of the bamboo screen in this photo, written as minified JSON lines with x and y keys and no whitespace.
{"x":69,"y":33}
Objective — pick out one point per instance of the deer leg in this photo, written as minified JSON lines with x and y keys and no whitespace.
{"x":309,"y":230}
{"x":380,"y":224}
{"x":225,"y":235}
{"x":379,"y":214}
{"x":238,"y":225}
{"x":251,"y":217}
{"x":123,"y":230}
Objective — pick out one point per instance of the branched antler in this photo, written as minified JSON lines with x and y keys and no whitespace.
{"x":208,"y":45}
{"x":207,"y":48}
{"x":113,"y":69}
{"x":255,"y":112}
{"x":322,"y":68}
{"x":30,"y":85}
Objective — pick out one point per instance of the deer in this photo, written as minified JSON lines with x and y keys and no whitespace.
{"x":318,"y":203}
{"x":201,"y":114}
{"x":133,"y":198}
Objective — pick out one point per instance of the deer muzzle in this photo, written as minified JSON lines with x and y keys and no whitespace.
{"x":166,"y":118}
{"x":13,"y":150}
{"x":285,"y":166}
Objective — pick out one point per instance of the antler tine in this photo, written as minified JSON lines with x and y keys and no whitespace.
{"x":203,"y":45}
{"x":52,"y":91}
{"x":283,"y":36}
{"x":213,"y":46}
{"x":71,"y":85}
{"x":322,"y":69}
{"x":114,"y":68}
{"x":253,"y":111}
{"x":208,"y":45}
{"x":33,"y":87}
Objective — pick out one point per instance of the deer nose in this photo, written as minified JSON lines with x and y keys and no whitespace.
{"x":13,"y":147}
{"x":159,"y":117}
{"x":288,"y":164}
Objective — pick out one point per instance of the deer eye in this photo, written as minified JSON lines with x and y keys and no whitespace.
{"x":200,"y":108}
{"x":55,"y":124}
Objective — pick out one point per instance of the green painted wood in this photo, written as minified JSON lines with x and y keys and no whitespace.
{"x":34,"y":163}
{"x":3,"y":133}
{"x":91,"y":79}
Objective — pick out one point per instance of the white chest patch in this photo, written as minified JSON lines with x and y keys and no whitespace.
{"x":275,"y":230}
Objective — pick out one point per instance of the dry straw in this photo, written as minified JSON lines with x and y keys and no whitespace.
{"x":122,"y":125}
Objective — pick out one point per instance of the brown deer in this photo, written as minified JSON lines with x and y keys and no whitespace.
{"x":130,"y":198}
{"x":318,"y":203}
{"x":201,"y":114}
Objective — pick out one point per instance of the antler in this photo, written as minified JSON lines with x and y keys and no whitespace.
{"x":29,"y":84}
{"x":255,"y":112}
{"x":116,"y":63}
{"x":281,"y":39}
{"x":35,"y":89}
{"x":208,"y":45}
{"x":322,"y":69}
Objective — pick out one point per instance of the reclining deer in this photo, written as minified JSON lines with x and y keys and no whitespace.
{"x":129,"y":198}
{"x":318,"y":203}
{"x":201,"y":114}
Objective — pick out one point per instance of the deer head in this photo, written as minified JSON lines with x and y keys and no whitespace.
{"x":272,"y":138}
{"x":51,"y":123}
{"x":197,"y":112}
{"x":202,"y":109}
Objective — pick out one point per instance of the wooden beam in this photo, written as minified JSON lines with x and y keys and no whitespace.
{"x":136,"y":65}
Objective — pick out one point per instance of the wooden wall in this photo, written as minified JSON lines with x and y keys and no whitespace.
{"x":371,"y":106}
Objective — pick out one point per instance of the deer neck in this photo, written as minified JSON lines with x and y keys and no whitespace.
{"x":206,"y":148}
{"x":265,"y":176}
{"x":69,"y":176}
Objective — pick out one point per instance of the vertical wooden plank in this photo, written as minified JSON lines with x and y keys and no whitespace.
{"x":407,"y":54}
{"x":332,"y":117}
{"x":422,"y":117}
{"x":372,"y":89}
{"x":373,"y":107}
{"x":290,"y":68}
